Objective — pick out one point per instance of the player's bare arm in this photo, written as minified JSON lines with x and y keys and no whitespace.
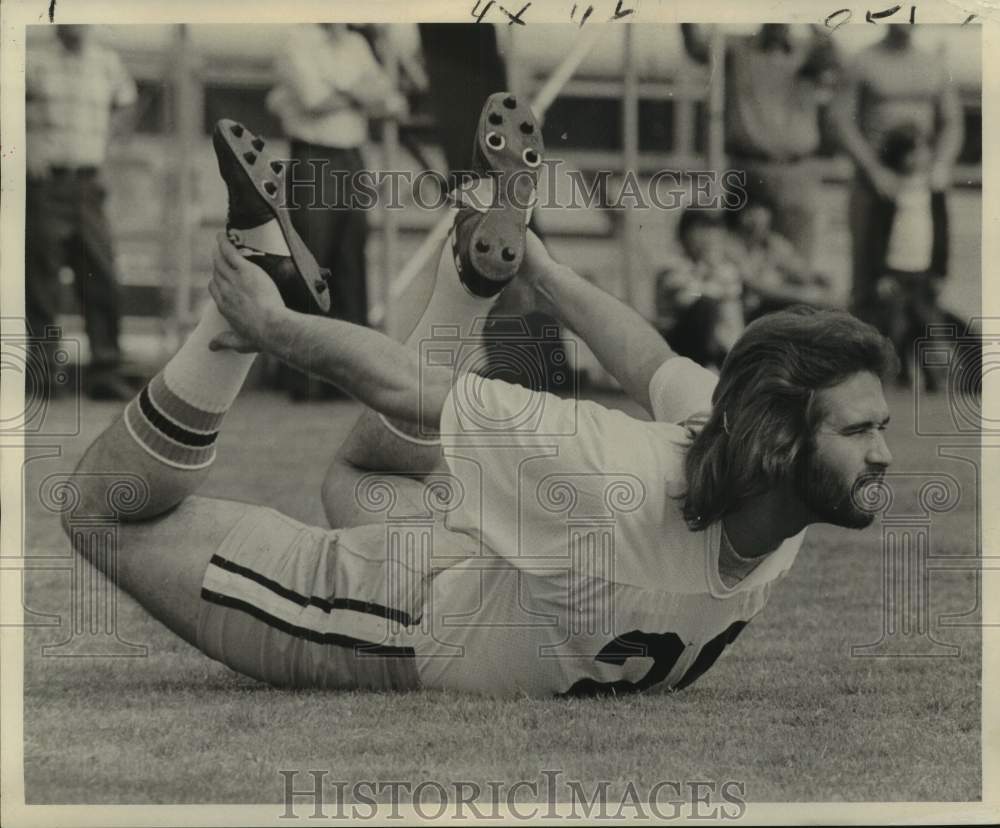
{"x":635,"y":351}
{"x":370,"y":366}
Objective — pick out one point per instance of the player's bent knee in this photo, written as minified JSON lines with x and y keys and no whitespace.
{"x":125,"y":497}
{"x":117,"y":479}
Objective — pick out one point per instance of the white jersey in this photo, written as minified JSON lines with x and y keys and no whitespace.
{"x":588,"y":579}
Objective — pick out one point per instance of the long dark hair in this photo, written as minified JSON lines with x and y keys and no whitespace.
{"x":764,"y":408}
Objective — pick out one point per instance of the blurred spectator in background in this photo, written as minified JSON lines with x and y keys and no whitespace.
{"x":774,"y":88}
{"x":464,"y":68}
{"x":78,"y":95}
{"x":329,"y":86}
{"x":912,"y":234}
{"x":699,"y":298}
{"x":774,"y":274}
{"x":889,"y":85}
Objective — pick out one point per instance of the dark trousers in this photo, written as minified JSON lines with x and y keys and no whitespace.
{"x":324,"y":196}
{"x":463,"y":69}
{"x":66,"y":224}
{"x":867,"y":255}
{"x":326,"y":217}
{"x":908,"y":304}
{"x":870,"y":220}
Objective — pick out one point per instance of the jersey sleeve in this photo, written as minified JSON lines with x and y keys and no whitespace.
{"x":679,"y":388}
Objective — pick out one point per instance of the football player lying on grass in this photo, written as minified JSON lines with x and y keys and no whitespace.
{"x":556,"y":547}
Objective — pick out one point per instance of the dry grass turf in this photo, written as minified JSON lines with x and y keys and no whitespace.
{"x":787,"y":711}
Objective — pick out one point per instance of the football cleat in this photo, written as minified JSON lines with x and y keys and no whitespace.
{"x":256,"y":185}
{"x":489,"y":244}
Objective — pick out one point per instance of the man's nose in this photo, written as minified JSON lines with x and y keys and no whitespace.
{"x":879,"y":454}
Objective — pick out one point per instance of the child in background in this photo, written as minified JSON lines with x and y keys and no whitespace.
{"x":914,"y":261}
{"x":775,"y":275}
{"x":699,"y":298}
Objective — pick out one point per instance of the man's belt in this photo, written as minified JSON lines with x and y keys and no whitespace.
{"x":65,"y":171}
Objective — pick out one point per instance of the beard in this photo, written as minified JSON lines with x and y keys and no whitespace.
{"x":833,"y":500}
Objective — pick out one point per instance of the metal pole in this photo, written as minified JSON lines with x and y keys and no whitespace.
{"x":564,"y":71}
{"x":390,"y":216}
{"x":513,"y":71}
{"x":716,"y":100}
{"x":186,"y":111}
{"x":630,"y":147}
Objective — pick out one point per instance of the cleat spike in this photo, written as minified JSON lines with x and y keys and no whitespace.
{"x":496,"y":118}
{"x":237,"y":130}
{"x":527,"y":128}
{"x":510,"y":102}
{"x":277,"y":167}
{"x":258,"y":144}
{"x":482,"y":246}
{"x":508,"y":254}
{"x":250,"y":157}
{"x":271,"y":187}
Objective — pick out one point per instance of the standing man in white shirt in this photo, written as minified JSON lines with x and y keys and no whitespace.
{"x":890,"y":84}
{"x":77,"y":96}
{"x":329,"y":86}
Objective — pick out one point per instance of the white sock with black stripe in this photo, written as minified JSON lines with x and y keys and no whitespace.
{"x":176,"y":417}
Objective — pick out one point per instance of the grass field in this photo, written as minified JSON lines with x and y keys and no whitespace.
{"x":788,"y":712}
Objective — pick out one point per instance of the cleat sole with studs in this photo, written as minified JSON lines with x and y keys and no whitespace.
{"x":509,"y":147}
{"x":237,"y":147}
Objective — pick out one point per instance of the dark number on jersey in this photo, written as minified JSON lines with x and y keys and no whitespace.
{"x":664,"y":649}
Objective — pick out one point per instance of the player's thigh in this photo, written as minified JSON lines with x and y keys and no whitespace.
{"x":163,"y":561}
{"x":298,"y":606}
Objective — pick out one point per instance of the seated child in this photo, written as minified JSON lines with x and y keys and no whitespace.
{"x":775,"y":276}
{"x":699,"y":298}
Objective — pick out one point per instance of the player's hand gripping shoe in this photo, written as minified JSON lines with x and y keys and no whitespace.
{"x":489,"y":244}
{"x":256,"y":184}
